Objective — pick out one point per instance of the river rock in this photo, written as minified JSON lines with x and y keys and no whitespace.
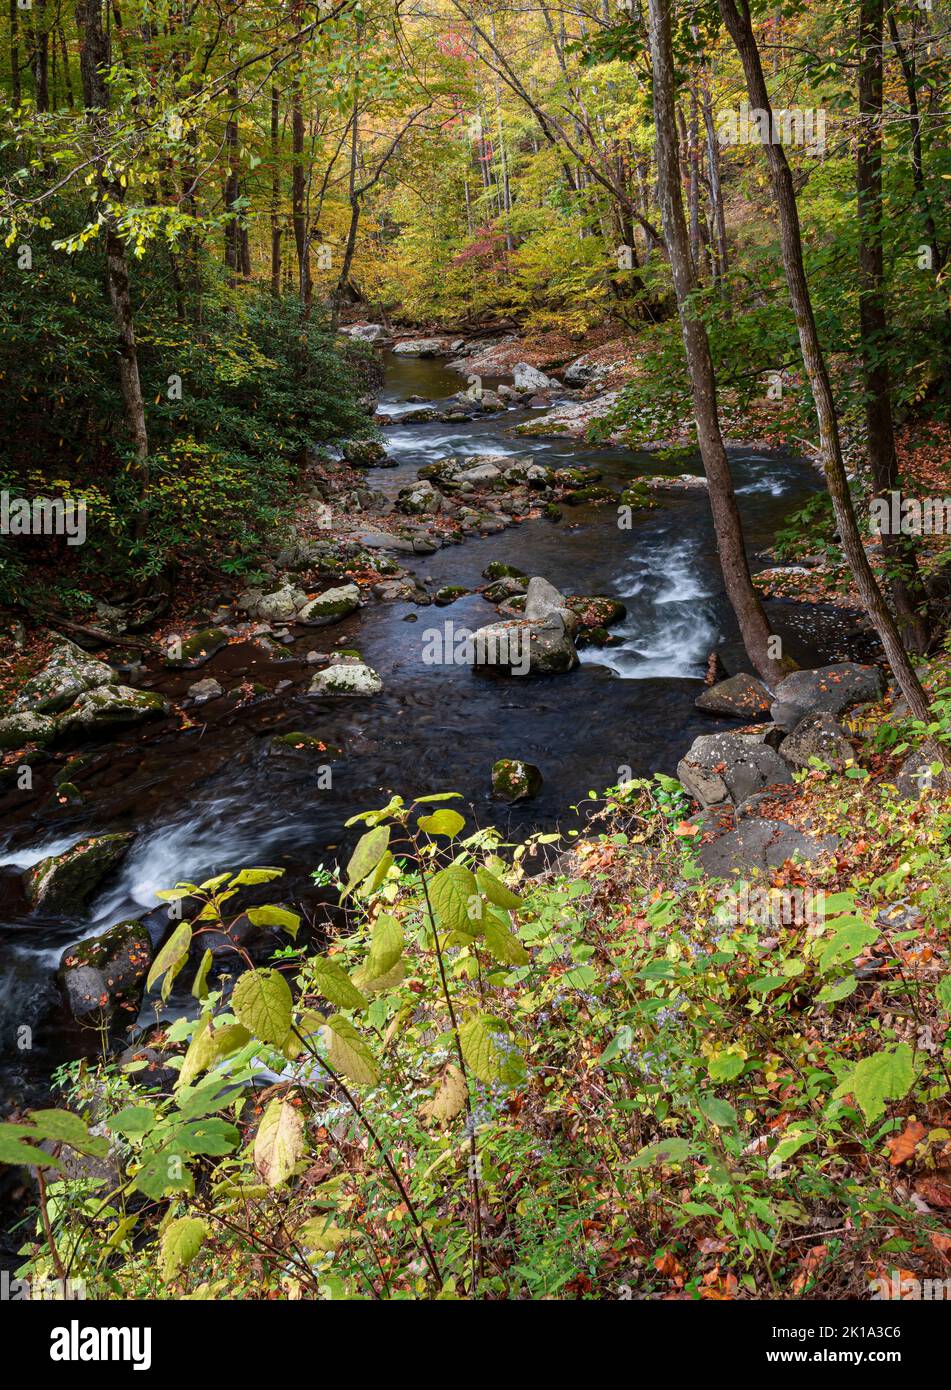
{"x":818,"y":736}
{"x":64,"y":882}
{"x":208,"y":689}
{"x":756,"y":845}
{"x":367,"y":332}
{"x":730,"y":767}
{"x":109,"y":707}
{"x":280,"y":606}
{"x":18,"y":729}
{"x":331,"y":606}
{"x":106,"y":974}
{"x":421,"y":347}
{"x":501,"y":589}
{"x":420,"y":499}
{"x":545,"y":604}
{"x":481,"y":473}
{"x":197,"y":649}
{"x":498,"y":569}
{"x":363,"y":453}
{"x":351,"y":679}
{"x":831,"y":689}
{"x":741,"y":696}
{"x":528,"y":378}
{"x":67,"y":674}
{"x":916,"y":776}
{"x":522,"y":648}
{"x":514,"y":780}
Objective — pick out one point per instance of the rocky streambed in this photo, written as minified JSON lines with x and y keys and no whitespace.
{"x":502,"y":624}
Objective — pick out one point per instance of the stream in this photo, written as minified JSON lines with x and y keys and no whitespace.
{"x":213,"y":797}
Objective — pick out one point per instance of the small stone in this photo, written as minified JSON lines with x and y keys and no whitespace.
{"x":514,"y":780}
{"x":208,"y":689}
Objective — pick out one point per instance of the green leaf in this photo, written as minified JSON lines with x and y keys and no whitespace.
{"x":66,"y":1128}
{"x":369,"y":850}
{"x":181,"y":1241}
{"x":454,"y":895}
{"x":335,"y":984}
{"x":272,"y":916}
{"x":134,"y":1121}
{"x":726,"y":1067}
{"x":845,"y":944}
{"x":496,"y":891}
{"x":279,"y":1142}
{"x":347,"y":1052}
{"x":262,"y":1002}
{"x":719,"y":1112}
{"x":164,"y":1173}
{"x":210,"y":1045}
{"x":501,"y":943}
{"x":489,"y":1052}
{"x":200,"y":982}
{"x":663,"y":1151}
{"x":839,"y":989}
{"x":14,"y":1151}
{"x":170,"y":958}
{"x":791,"y":1142}
{"x":943,"y":992}
{"x":248,"y":877}
{"x":886,"y":1075}
{"x":386,"y":945}
{"x":442,"y":822}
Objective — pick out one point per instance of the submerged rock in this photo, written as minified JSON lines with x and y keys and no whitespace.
{"x":106,"y":973}
{"x":352,"y":679}
{"x":514,"y":780}
{"x":69,"y":672}
{"x":64,"y":882}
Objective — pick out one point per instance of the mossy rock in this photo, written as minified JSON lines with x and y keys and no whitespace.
{"x":598,"y":611}
{"x":498,"y":569}
{"x":110,"y":706}
{"x":105,"y":974}
{"x":552,"y":511}
{"x":67,"y":674}
{"x":577,"y":477}
{"x":501,"y":589}
{"x":64,"y":882}
{"x":69,"y":794}
{"x":356,"y":679}
{"x":306,"y":744}
{"x":26,"y":727}
{"x":198,"y":649}
{"x":72,"y":768}
{"x":515,"y":780}
{"x":596,"y":492}
{"x":448,"y":594}
{"x":331,"y":606}
{"x":363,"y":453}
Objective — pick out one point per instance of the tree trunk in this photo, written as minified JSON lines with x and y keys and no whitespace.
{"x":754,"y":626}
{"x":41,"y":57}
{"x":15,"y":53}
{"x":741,"y":31}
{"x":901,"y":565}
{"x":94,"y":62}
{"x":298,"y":209}
{"x":275,"y":192}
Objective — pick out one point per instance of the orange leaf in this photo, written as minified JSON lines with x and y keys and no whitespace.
{"x":903,"y":1145}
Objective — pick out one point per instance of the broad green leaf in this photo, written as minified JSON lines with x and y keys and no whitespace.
{"x":437,"y":796}
{"x":170,"y":958}
{"x":134,"y":1121}
{"x":164,"y":1173}
{"x":347,"y":1052}
{"x":943,"y":992}
{"x":454,"y":895}
{"x":502,"y":943}
{"x":369,"y":850}
{"x":845,"y":944}
{"x":386,"y":946}
{"x":726,"y":1067}
{"x":840,"y":989}
{"x":496,"y":891}
{"x":208,"y":1046}
{"x":279,"y":1142}
{"x":262,"y":1002}
{"x":718,"y":1112}
{"x":489,"y":1052}
{"x":319,"y":1233}
{"x":248,"y":877}
{"x":200,"y":982}
{"x":67,"y":1128}
{"x":442,"y":822}
{"x":181,"y":1241}
{"x":335,"y":984}
{"x":886,"y":1075}
{"x":14,"y":1151}
{"x":791,"y":1142}
{"x":273,"y":916}
{"x":664,"y":1151}
{"x":376,"y":984}
{"x":371,"y":884}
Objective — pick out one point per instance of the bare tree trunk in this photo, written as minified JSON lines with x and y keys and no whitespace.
{"x":298,"y":192}
{"x":275,"y":192}
{"x":901,"y":566}
{"x":41,"y":57}
{"x":94,"y":60}
{"x":762,"y":648}
{"x":741,"y":31}
{"x":716,"y":189}
{"x":15,"y":53}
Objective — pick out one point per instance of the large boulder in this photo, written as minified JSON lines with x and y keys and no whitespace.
{"x":354,"y":678}
{"x":742,"y":697}
{"x":730,"y":767}
{"x":68,"y":673}
{"x":831,"y":689}
{"x":528,"y":378}
{"x":280,"y":606}
{"x":521,"y":648}
{"x":195,"y":650}
{"x":421,"y":347}
{"x":818,"y":736}
{"x":363,"y":453}
{"x":106,"y":974}
{"x":27,"y":727}
{"x":64,"y":882}
{"x":110,"y":707}
{"x":367,"y":332}
{"x":419,"y":499}
{"x":515,"y":780}
{"x":546,"y":604}
{"x":331,"y":606}
{"x":755,"y":845}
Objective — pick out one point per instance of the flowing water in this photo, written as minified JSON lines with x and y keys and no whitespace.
{"x":214,"y":797}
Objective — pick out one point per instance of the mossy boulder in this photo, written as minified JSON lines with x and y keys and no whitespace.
{"x":64,"y":882}
{"x":448,"y":594}
{"x":105,"y":974}
{"x":515,"y":780}
{"x":331,"y":606}
{"x":26,"y":727}
{"x":306,"y":745}
{"x":109,"y":707}
{"x":596,"y":611}
{"x":69,"y":672}
{"x":346,"y":679}
{"x":197,"y":649}
{"x":363,"y":453}
{"x":594,"y":492}
{"x":498,"y":569}
{"x":501,"y":589}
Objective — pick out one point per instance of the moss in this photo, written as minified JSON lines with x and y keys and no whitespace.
{"x":198,"y":648}
{"x":498,"y":569}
